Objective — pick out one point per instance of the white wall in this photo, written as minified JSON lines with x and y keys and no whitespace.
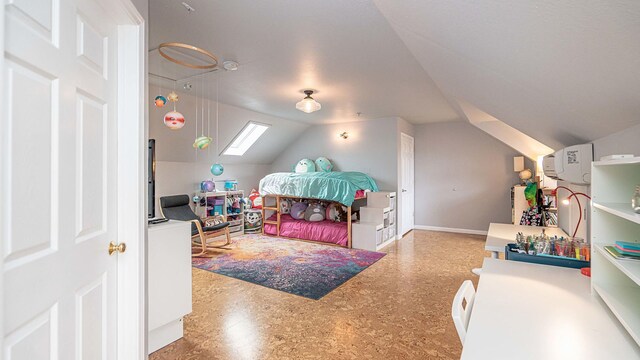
{"x":174,"y":178}
{"x":463,"y":177}
{"x":371,"y":148}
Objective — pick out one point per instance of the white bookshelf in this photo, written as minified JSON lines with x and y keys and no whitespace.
{"x":616,"y":281}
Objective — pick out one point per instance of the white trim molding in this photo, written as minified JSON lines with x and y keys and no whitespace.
{"x":451,"y":230}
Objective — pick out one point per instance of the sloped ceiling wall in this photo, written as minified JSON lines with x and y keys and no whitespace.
{"x":522,"y":143}
{"x":562,"y":72}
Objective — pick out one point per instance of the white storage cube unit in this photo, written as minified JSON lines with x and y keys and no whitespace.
{"x":367,"y":236}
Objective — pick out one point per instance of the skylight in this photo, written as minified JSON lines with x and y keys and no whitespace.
{"x":247,"y":136}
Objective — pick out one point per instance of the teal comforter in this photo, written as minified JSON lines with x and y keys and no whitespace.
{"x":331,"y":186}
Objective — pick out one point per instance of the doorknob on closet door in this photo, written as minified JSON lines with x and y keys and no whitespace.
{"x":122,"y":247}
{"x":404,"y":190}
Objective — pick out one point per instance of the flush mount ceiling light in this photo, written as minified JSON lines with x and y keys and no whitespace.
{"x":230,"y":65}
{"x":308,"y":104}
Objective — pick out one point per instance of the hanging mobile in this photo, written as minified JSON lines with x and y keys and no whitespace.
{"x":173,"y":119}
{"x":202,"y":141}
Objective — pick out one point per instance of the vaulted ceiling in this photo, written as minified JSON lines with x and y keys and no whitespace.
{"x":346,"y":50}
{"x":561,"y":72}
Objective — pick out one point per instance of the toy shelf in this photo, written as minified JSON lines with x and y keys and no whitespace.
{"x":236,"y":220}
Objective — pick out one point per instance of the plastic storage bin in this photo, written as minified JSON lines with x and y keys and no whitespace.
{"x":544,"y":260}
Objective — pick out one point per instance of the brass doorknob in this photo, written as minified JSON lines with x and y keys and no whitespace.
{"x":119,"y":248}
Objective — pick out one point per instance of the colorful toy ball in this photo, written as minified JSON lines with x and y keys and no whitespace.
{"x":174,"y":120}
{"x":202,"y":142}
{"x":173,"y":97}
{"x":217,"y":169}
{"x":160,"y":101}
{"x":207,"y":186}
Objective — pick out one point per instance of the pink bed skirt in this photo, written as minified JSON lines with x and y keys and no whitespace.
{"x":324,"y":231}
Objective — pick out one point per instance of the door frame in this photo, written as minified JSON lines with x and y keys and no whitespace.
{"x":131,"y":182}
{"x":2,"y":179}
{"x":403,"y":231}
{"x":132,"y":226}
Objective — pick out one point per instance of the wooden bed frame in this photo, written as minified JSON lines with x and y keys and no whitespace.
{"x":276,"y":209}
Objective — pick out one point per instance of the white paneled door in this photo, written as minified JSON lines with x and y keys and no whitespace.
{"x":59,"y":173}
{"x":408,"y":182}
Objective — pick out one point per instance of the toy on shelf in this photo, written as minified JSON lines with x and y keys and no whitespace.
{"x":207,"y":186}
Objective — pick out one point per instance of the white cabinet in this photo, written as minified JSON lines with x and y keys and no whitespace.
{"x":617,"y":281}
{"x":169,"y":281}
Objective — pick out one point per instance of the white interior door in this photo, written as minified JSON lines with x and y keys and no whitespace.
{"x":407,"y":190}
{"x":59,"y":154}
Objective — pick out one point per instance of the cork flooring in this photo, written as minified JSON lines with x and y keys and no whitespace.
{"x":399,"y":308}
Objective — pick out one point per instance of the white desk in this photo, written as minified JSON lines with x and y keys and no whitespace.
{"x":530,"y":311}
{"x":499,"y":235}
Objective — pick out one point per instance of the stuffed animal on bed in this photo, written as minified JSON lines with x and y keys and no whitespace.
{"x":314,"y":212}
{"x":297,"y":210}
{"x":305,"y":166}
{"x":336,"y":212}
{"x":323,"y":164}
{"x":285,"y":206}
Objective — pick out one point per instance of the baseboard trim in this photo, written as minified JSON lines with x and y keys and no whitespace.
{"x":451,"y":230}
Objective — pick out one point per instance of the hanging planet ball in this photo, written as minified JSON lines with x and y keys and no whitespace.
{"x":217,"y":169}
{"x":202,"y":142}
{"x":160,"y":101}
{"x":173,"y":97}
{"x":174,"y":120}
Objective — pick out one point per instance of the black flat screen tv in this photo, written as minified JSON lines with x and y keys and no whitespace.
{"x":151,"y":179}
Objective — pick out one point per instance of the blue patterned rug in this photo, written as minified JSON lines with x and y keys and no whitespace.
{"x":297,"y":267}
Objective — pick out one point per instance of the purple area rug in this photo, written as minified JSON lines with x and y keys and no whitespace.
{"x":297,"y":267}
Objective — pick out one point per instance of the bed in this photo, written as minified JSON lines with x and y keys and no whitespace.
{"x":340,"y":187}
